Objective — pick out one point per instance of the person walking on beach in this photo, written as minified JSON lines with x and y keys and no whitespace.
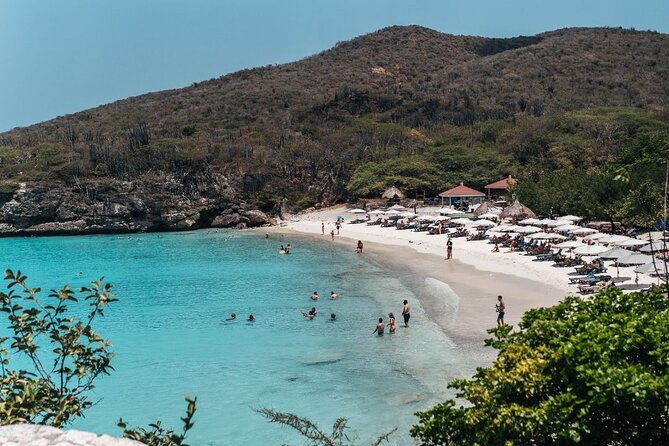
{"x":358,"y":248}
{"x":323,"y":228}
{"x":449,"y":249}
{"x":406,"y":312}
{"x":379,"y":327}
{"x":338,"y":225}
{"x":500,"y":307}
{"x":332,"y":234}
{"x":391,"y":323}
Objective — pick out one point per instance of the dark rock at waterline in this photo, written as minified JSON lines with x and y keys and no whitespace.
{"x":114,"y":206}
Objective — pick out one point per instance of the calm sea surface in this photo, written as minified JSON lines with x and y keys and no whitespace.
{"x":171,"y":338}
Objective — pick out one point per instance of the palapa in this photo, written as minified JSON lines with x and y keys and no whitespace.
{"x":392,"y":192}
{"x":484,"y":208}
{"x":518,"y":211}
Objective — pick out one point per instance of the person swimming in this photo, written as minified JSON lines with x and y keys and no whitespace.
{"x":282,"y":250}
{"x":233,"y":317}
{"x":251,"y":318}
{"x":314,"y":296}
{"x":333,"y":295}
{"x":311,"y":314}
{"x":379,"y":327}
{"x":333,"y":317}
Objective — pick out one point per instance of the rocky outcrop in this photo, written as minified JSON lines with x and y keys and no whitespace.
{"x":113,"y":206}
{"x":33,"y":435}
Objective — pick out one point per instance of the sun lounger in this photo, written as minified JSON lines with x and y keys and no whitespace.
{"x":589,"y":280}
{"x":589,"y":289}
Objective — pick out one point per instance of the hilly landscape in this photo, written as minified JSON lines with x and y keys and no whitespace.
{"x":565,"y":111}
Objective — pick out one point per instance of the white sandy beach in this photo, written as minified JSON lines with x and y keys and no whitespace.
{"x":476,"y":274}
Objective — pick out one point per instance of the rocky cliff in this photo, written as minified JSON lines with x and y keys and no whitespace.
{"x":33,"y":435}
{"x":164,"y":203}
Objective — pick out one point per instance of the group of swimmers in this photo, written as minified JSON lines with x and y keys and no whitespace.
{"x":284,"y":250}
{"x":381,"y":326}
{"x":333,"y":295}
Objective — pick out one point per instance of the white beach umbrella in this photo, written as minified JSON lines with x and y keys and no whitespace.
{"x":461,"y":221}
{"x":427,"y":218}
{"x":558,"y":223}
{"x":528,"y":229}
{"x":566,"y":228}
{"x":633,"y":242}
{"x":657,"y":246}
{"x":584,"y":231}
{"x":653,"y":235}
{"x":506,"y":228}
{"x":546,"y":236}
{"x":613,"y":239}
{"x":530,"y":221}
{"x":595,"y":236}
{"x":357,"y":211}
{"x":590,"y":250}
{"x":396,"y":207}
{"x":570,"y":218}
{"x":489,"y":216}
{"x":376,"y":212}
{"x":570,"y":244}
{"x":634,"y":259}
{"x":483,"y":224}
{"x":546,"y":221}
{"x":392,"y":212}
{"x":657,"y":268}
{"x":615,"y":253}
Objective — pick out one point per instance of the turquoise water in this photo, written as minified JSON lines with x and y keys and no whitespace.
{"x":171,"y":338}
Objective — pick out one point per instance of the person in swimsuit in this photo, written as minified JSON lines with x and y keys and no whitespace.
{"x":288,"y":248}
{"x":406,"y":313}
{"x":323,"y":228}
{"x":252,"y":318}
{"x":391,"y":323}
{"x":500,"y":308}
{"x":233,"y":317}
{"x":449,"y":249}
{"x":358,"y":248}
{"x":311,"y":314}
{"x":332,"y":234}
{"x":333,"y":295}
{"x":282,"y":250}
{"x":314,"y":296}
{"x":379,"y":327}
{"x":333,"y":317}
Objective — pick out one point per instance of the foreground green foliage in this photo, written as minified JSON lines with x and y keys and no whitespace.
{"x":157,"y":435}
{"x":312,"y":434}
{"x":58,"y":357}
{"x":53,"y":357}
{"x":586,"y":371}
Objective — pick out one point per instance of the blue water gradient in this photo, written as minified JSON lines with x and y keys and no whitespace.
{"x":171,"y":338}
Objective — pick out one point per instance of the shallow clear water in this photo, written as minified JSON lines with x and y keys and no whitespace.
{"x":171,"y":338}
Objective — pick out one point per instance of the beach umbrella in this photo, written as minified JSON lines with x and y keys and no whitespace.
{"x":656,"y":246}
{"x":376,"y":212}
{"x":634,"y":258}
{"x":590,"y":250}
{"x":483,"y":224}
{"x":461,"y":221}
{"x":657,"y":268}
{"x":570,"y":218}
{"x":584,"y":231}
{"x":613,"y":239}
{"x":396,"y":207}
{"x":555,"y":223}
{"x":489,"y":215}
{"x":653,"y":235}
{"x":595,"y":236}
{"x":631,"y":243}
{"x":528,"y":229}
{"x":483,"y":208}
{"x":517,"y":210}
{"x":530,"y":221}
{"x":357,"y":211}
{"x":546,"y":221}
{"x":566,"y":228}
{"x":615,"y":253}
{"x":506,"y":228}
{"x":570,"y":244}
{"x":546,"y":236}
{"x":392,"y":212}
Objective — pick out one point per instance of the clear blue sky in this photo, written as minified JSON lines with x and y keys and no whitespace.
{"x":58,"y":57}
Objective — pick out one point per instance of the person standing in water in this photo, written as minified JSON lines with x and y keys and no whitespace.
{"x":332,"y":234}
{"x":500,"y":308}
{"x":358,"y":248}
{"x":391,"y":323}
{"x":379,"y":327}
{"x":406,"y":312}
{"x":314,"y":296}
{"x":333,"y":295}
{"x":449,"y":249}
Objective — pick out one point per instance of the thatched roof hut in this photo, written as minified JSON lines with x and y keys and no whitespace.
{"x":392,"y":193}
{"x":517,"y":210}
{"x":484,"y":208}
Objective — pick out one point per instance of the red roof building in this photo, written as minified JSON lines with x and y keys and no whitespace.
{"x":462,"y":193}
{"x":501,"y":185}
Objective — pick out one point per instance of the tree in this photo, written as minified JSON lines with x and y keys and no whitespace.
{"x":588,"y":370}
{"x":314,"y":435}
{"x":157,"y":435}
{"x":52,"y":389}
